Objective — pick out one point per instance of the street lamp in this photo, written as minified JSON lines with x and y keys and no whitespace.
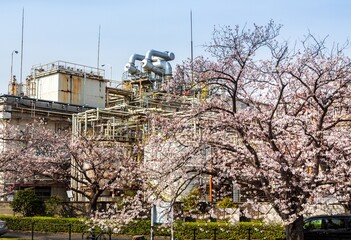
{"x":14,"y":51}
{"x":103,"y":65}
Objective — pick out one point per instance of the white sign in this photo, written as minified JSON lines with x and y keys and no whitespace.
{"x":162,"y":213}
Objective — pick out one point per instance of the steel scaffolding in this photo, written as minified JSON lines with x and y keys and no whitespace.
{"x":127,"y":117}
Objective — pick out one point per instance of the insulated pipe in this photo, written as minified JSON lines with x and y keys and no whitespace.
{"x":156,"y":62}
{"x":149,"y":66}
{"x":130,"y":66}
{"x":135,"y":57}
{"x":160,"y":63}
{"x":168,"y":56}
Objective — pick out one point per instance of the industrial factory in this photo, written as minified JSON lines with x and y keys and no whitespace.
{"x":79,"y":98}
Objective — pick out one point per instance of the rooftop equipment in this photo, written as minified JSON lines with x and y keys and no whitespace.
{"x":153,"y":61}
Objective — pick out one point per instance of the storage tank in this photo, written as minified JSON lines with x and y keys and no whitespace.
{"x":68,"y":83}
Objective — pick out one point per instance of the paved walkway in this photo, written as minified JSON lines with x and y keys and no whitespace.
{"x":60,"y":236}
{"x":42,"y":236}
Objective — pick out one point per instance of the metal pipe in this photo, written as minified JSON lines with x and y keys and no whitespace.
{"x":130,"y":66}
{"x":135,"y":57}
{"x":156,"y":62}
{"x":166,"y":66}
{"x":168,"y":56}
{"x":149,"y":66}
{"x":11,"y":76}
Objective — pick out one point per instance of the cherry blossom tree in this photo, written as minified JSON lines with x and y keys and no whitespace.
{"x":98,"y":166}
{"x":87,"y":166}
{"x":273,"y":120}
{"x":33,"y":151}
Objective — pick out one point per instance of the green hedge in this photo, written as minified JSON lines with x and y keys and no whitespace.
{"x":44,"y":224}
{"x":183,"y":230}
{"x":229,"y":231}
{"x":203,"y":230}
{"x":142,"y":227}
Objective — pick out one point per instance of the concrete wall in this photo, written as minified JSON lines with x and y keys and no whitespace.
{"x":266,"y":213}
{"x":67,"y":209}
{"x":5,"y":209}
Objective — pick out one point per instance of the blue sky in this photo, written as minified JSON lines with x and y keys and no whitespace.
{"x":68,"y":29}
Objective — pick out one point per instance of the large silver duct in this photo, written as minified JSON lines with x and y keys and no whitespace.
{"x":153,"y":61}
{"x":149,"y":66}
{"x":157,"y":62}
{"x":165,"y":66}
{"x":130,"y":66}
{"x":168,"y":56}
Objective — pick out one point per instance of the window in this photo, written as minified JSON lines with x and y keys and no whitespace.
{"x":313,"y":224}
{"x":335,"y":223}
{"x":43,"y":192}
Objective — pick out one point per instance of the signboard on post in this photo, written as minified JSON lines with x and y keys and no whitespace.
{"x":162,"y":213}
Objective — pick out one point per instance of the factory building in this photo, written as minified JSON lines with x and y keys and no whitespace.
{"x":53,"y":92}
{"x":73,"y":96}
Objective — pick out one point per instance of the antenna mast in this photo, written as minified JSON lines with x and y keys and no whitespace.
{"x":191,"y":48}
{"x":98,"y":54}
{"x":21,"y":83}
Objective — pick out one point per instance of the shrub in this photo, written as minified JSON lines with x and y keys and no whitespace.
{"x":190,"y":202}
{"x":226,"y":203}
{"x":27,"y":203}
{"x":52,"y":206}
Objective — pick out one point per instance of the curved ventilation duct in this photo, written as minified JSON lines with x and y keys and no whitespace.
{"x":154,"y":61}
{"x":130,"y":66}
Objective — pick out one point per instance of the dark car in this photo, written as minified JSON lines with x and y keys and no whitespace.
{"x":3,"y":227}
{"x":328,"y":227}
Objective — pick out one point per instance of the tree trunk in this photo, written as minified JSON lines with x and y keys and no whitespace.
{"x":347,"y":207}
{"x":93,"y":206}
{"x":294,"y":231}
{"x":94,"y":202}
